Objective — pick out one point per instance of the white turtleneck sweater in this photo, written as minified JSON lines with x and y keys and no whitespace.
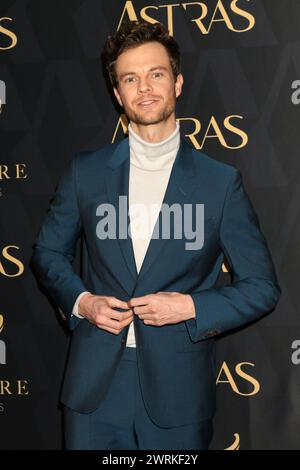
{"x":150,"y":168}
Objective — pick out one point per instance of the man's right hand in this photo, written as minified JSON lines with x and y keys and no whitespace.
{"x":99,"y":310}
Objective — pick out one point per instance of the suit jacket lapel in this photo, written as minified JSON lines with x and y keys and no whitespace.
{"x":117,"y":183}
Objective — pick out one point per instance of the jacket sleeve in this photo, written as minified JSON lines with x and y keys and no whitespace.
{"x":254,"y":290}
{"x":54,"y":248}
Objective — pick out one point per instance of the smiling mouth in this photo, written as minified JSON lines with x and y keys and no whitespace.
{"x":147,"y":103}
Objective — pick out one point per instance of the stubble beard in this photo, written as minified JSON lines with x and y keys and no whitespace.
{"x":154,"y":117}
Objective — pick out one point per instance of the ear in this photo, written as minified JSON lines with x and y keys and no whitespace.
{"x":178,"y":84}
{"x":117,"y":95}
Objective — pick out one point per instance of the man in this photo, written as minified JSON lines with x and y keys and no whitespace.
{"x":145,"y":314}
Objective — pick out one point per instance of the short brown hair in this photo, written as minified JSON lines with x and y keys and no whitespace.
{"x":135,"y":33}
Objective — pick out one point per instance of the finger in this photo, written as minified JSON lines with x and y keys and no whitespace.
{"x":120,"y":315}
{"x":146,"y":316}
{"x":118,"y":325}
{"x":135,"y":301}
{"x":150,"y":323}
{"x":153,"y":323}
{"x":111,"y":330}
{"x":140,"y":310}
{"x":125,"y":322}
{"x":114,"y":324}
{"x":114,"y":302}
{"x":110,"y":312}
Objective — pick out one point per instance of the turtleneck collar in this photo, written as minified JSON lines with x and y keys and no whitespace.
{"x":153,"y":156}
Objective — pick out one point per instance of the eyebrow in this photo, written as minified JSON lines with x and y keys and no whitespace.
{"x":158,"y":67}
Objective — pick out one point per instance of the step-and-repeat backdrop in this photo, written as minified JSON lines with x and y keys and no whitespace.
{"x":240,"y":105}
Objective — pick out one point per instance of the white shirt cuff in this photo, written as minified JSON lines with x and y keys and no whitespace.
{"x":75,"y":307}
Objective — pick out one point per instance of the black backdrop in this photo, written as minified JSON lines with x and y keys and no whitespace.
{"x":240,"y":105}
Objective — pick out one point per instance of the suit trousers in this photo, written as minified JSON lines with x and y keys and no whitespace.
{"x":122,"y":422}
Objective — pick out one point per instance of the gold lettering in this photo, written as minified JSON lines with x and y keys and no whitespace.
{"x":3,"y":171}
{"x":198,"y":20}
{"x":230,"y":380}
{"x":146,"y":17}
{"x":8,"y":33}
{"x":14,"y":260}
{"x":224,"y":268}
{"x":220,"y":14}
{"x":170,"y":16}
{"x":129,"y":9}
{"x":248,"y":378}
{"x":20,"y":171}
{"x":217,"y":135}
{"x":22,"y":387}
{"x":196,"y":131}
{"x":235,"y":130}
{"x":5,"y":387}
{"x":244,"y":14}
{"x":236,"y":443}
{"x":123,"y":123}
{"x":224,"y":17}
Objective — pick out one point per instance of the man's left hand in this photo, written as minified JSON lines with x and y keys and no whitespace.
{"x":163,"y":308}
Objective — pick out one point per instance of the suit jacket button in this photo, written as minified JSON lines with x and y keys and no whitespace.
{"x":212,"y":333}
{"x":123,"y":340}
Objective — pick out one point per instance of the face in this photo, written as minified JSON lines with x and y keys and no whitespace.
{"x":146,"y":87}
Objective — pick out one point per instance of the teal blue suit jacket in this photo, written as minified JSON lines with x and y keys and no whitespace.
{"x":176,"y":362}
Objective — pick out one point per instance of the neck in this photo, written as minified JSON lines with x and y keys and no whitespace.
{"x":154,"y":133}
{"x":153,"y":155}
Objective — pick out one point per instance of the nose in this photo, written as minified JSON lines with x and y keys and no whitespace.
{"x":144,"y":85}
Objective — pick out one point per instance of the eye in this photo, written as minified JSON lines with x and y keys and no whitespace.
{"x":157,"y":73}
{"x":129,"y":78}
